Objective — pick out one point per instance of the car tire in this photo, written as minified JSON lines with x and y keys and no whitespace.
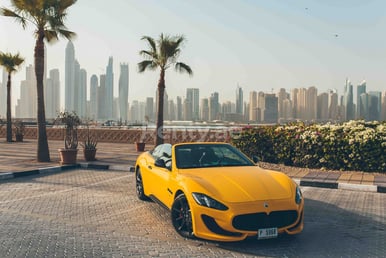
{"x":139,"y":186}
{"x":182,"y":217}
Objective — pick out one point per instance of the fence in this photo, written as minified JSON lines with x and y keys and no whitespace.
{"x":123,"y":135}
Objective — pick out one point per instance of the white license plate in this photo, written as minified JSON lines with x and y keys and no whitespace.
{"x":265,"y":233}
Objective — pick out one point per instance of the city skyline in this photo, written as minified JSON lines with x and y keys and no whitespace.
{"x":305,"y":104}
{"x":257,"y":45}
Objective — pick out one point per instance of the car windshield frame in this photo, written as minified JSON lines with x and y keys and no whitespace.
{"x":188,"y":156}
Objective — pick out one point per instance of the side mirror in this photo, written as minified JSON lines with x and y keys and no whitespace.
{"x":160,"y":163}
{"x":255,"y":159}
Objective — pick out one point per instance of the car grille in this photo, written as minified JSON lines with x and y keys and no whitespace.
{"x":211,"y":224}
{"x":255,"y":221}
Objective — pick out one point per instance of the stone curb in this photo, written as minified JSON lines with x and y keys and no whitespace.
{"x":343,"y":186}
{"x":311,"y":183}
{"x":4,"y":176}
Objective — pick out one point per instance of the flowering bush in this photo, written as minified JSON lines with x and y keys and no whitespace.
{"x":354,"y":145}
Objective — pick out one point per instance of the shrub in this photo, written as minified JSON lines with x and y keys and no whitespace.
{"x":354,"y":145}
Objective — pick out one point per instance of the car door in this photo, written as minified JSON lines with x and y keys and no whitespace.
{"x":160,"y":172}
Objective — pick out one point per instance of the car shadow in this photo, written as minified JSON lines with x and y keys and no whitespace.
{"x":328,"y":231}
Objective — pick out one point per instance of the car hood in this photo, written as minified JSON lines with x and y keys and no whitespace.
{"x":241,"y":184}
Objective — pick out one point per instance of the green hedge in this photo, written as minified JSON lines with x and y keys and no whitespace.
{"x":354,"y":145}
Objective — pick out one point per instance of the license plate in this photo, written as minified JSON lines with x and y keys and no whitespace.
{"x":265,"y":233}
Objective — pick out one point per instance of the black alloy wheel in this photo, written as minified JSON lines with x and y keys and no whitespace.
{"x":139,"y":186}
{"x":181,"y":217}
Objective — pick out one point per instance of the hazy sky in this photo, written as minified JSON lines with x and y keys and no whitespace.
{"x":259,"y":44}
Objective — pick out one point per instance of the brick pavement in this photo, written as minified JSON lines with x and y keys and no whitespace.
{"x":96,"y":213}
{"x":19,"y":158}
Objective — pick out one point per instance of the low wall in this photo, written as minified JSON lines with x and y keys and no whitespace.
{"x":123,"y":135}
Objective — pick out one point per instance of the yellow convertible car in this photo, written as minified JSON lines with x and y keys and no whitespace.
{"x":215,"y":192}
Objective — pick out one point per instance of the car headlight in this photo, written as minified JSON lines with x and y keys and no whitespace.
{"x":204,"y":200}
{"x":298,"y":195}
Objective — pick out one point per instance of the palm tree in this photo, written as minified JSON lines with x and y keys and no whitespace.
{"x":162,"y":54}
{"x":10,"y":63}
{"x":48,"y":18}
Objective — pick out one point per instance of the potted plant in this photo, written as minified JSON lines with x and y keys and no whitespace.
{"x":140,"y":146}
{"x":89,"y":147}
{"x":19,"y":130}
{"x":71,"y":121}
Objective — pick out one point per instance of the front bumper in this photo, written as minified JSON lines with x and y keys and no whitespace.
{"x":244,"y":220}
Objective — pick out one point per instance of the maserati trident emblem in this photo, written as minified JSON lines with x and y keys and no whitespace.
{"x":266,"y":205}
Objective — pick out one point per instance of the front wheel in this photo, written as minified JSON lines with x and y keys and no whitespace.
{"x":139,"y":186}
{"x":181,"y":217}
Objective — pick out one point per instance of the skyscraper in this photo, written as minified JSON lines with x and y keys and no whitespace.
{"x":52,"y":94}
{"x":101,"y":97}
{"x":311,"y":107}
{"x":3,"y":94}
{"x":294,"y":98}
{"x":93,"y":107}
{"x":193,"y":100}
{"x":322,"y":109}
{"x":109,"y":97}
{"x":253,"y":106}
{"x":348,"y":103}
{"x":179,"y":108}
{"x":27,"y":106}
{"x":205,"y":109}
{"x":82,"y":94}
{"x":214,"y":106}
{"x":361,"y":88}
{"x":149,"y":110}
{"x":282,"y":96}
{"x":239,"y":100}
{"x":375,"y":105}
{"x":270,"y":109}
{"x":383,"y":112}
{"x":123,"y":92}
{"x":69,"y":78}
{"x":333,"y":105}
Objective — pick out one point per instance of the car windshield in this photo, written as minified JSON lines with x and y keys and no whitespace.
{"x":209,"y":155}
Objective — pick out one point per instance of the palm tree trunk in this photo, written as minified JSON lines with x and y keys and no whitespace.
{"x":160,"y":109}
{"x":43,"y":154}
{"x":9,"y":119}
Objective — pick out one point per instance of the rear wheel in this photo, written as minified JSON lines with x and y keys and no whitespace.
{"x":139,"y":186}
{"x":181,"y":217}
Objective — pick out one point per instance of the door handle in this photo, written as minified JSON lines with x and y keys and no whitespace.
{"x":149,"y":167}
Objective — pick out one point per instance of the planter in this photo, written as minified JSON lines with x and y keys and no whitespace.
{"x":68,"y":156}
{"x":140,"y":146}
{"x":89,"y":155}
{"x":19,"y":137}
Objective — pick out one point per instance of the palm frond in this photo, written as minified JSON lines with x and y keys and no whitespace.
{"x":182,"y":67}
{"x":163,"y":53}
{"x":46,"y":15}
{"x":148,"y":54}
{"x":10,"y":62}
{"x":151,"y":43}
{"x":18,"y":18}
{"x":147,"y":65}
{"x":66,"y":33}
{"x":51,"y":35}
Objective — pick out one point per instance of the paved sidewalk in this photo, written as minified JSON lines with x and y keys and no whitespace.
{"x":19,"y":159}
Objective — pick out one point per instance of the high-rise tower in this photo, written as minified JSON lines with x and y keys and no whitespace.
{"x":69,"y":78}
{"x":52,"y":93}
{"x":3,"y":94}
{"x":93,"y":107}
{"x":123,"y":92}
{"x":361,"y":89}
{"x":239,"y":100}
{"x":193,"y":101}
{"x":109,"y":97}
{"x":348,"y":103}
